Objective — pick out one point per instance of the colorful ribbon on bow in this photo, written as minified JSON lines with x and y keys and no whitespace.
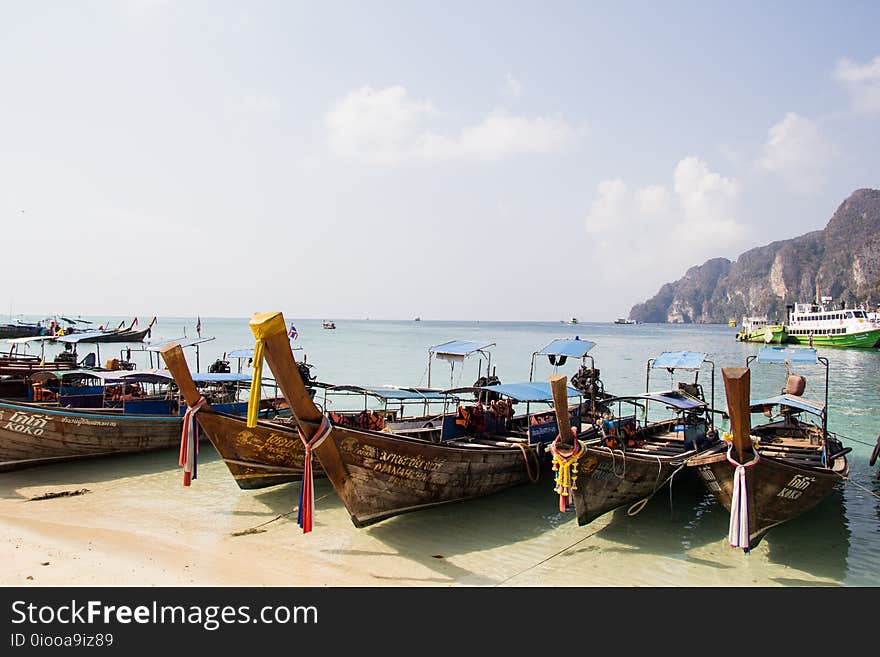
{"x":738,"y":534}
{"x":189,"y":442}
{"x":566,"y":468}
{"x":254,"y":399}
{"x":307,"y":491}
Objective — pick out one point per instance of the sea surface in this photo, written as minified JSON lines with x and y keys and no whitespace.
{"x":837,"y":543}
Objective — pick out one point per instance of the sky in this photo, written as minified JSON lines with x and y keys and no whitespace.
{"x":461,"y":160}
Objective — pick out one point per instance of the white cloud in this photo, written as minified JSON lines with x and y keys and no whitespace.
{"x":641,"y":236}
{"x":862,"y":81}
{"x":513,"y":87}
{"x":387,"y":126}
{"x":798,"y":151}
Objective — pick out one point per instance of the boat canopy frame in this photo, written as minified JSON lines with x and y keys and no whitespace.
{"x":456,"y":351}
{"x":795,"y":355}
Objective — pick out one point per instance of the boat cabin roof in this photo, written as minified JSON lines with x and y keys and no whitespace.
{"x":527,"y":391}
{"x":139,"y":376}
{"x":679,"y":360}
{"x":791,"y":401}
{"x":459,"y":348}
{"x":787,"y":355}
{"x":576,"y":348}
{"x":248,"y":352}
{"x":676,"y":399}
{"x":390,"y":393}
{"x":32,"y":338}
{"x":158,"y":344}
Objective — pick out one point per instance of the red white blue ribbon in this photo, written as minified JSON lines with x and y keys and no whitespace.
{"x":307,"y":491}
{"x":189,"y":442}
{"x":738,"y":534}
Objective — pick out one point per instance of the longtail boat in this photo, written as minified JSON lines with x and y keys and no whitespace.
{"x":630,"y":456}
{"x":774,"y":472}
{"x":78,"y":414}
{"x":127,"y":334}
{"x":379,"y":474}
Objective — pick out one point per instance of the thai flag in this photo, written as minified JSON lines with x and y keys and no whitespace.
{"x":292,"y":332}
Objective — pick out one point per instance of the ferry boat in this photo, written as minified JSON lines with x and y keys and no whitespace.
{"x":624,"y":320}
{"x":759,"y":329}
{"x":818,"y":324}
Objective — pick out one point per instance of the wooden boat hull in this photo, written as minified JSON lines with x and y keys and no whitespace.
{"x":778,"y":490}
{"x":31,"y":434}
{"x":266,"y":455}
{"x":379,"y":475}
{"x":608,"y":480}
{"x":122,"y":336}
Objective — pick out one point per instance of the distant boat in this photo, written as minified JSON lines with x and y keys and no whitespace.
{"x":574,"y":320}
{"x":732,"y":322}
{"x":818,"y":324}
{"x":417,"y":319}
{"x":760,"y":329}
{"x":329,"y":325}
{"x":624,"y":320}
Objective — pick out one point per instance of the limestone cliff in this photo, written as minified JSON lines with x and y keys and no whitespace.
{"x":844,"y":259}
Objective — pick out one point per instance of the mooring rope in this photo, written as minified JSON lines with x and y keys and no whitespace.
{"x":637,"y":507}
{"x":855,"y":483}
{"x":545,"y":560}
{"x":534,"y":479}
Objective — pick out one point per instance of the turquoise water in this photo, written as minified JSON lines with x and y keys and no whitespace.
{"x":836,"y":542}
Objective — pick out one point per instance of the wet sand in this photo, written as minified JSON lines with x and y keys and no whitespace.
{"x":138,"y":525}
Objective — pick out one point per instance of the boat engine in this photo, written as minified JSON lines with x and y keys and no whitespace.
{"x":486,"y":397}
{"x":219,"y":367}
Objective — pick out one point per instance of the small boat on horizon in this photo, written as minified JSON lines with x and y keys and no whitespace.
{"x":329,"y":325}
{"x":624,"y":320}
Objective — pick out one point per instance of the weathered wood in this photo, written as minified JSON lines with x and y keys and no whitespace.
{"x":559,"y":388}
{"x":31,"y":434}
{"x":737,"y":387}
{"x":380,"y":474}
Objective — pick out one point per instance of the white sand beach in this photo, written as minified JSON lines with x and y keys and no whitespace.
{"x":137,"y":525}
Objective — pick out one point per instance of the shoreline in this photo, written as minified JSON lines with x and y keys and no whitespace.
{"x":143,"y":528}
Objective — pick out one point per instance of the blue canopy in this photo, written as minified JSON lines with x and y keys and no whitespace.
{"x":787,"y":355}
{"x":567,"y":347}
{"x":680,"y":360}
{"x":674,"y":398}
{"x":533,"y":391}
{"x":792,"y":401}
{"x":393,"y":393}
{"x":460,"y":348}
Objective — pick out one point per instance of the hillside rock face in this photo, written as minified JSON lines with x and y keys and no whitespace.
{"x":843,"y":259}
